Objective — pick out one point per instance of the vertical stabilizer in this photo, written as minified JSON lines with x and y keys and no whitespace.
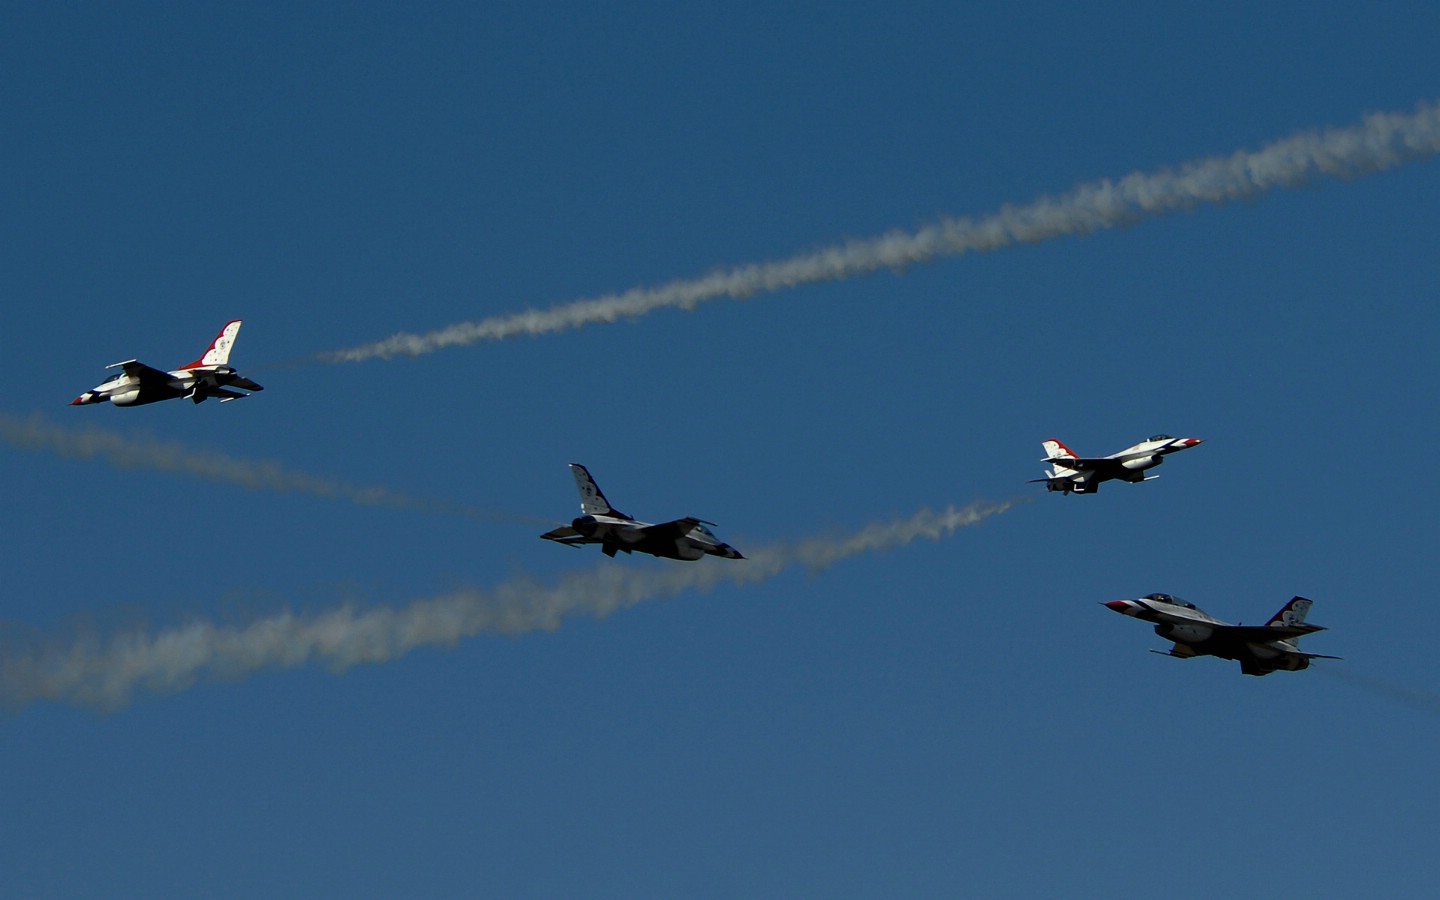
{"x":592,"y":500}
{"x":218,"y":353}
{"x":1056,"y":453}
{"x":1292,"y":613}
{"x":1055,"y":450}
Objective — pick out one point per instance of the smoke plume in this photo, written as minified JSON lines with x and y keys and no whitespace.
{"x":104,"y":673}
{"x":1381,"y":141}
{"x":132,"y":452}
{"x":1416,"y":698}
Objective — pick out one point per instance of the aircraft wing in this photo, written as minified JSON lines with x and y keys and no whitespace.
{"x":1264,"y":634}
{"x":566,"y":534}
{"x":676,"y":529}
{"x":1079,"y":464}
{"x":1179,"y":651}
{"x":136,"y":369}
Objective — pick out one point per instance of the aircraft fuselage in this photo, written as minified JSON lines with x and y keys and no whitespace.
{"x":1196,"y":633}
{"x":1079,"y":475}
{"x":600,"y":523}
{"x":209,"y":376}
{"x":130,"y":390}
{"x":628,"y":536}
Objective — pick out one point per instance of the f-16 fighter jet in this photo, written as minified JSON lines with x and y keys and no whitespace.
{"x":614,"y":531}
{"x":1260,"y":649}
{"x":1083,"y":475}
{"x":208,"y":376}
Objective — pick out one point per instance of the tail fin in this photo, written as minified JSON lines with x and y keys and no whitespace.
{"x":218,"y":353}
{"x":592,"y":500}
{"x":1056,"y":453}
{"x":1056,"y":450}
{"x":1292,"y":613}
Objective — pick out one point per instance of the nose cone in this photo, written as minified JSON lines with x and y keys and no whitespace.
{"x":1190,"y":442}
{"x":1123,"y":607}
{"x":83,"y":399}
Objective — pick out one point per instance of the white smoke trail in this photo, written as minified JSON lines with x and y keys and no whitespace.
{"x":105,"y":673}
{"x":131,"y":452}
{"x":1427,"y":701}
{"x":1381,"y":141}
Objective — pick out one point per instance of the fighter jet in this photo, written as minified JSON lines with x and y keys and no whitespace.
{"x":208,"y":376}
{"x":614,"y":531}
{"x":1260,"y":649}
{"x":1083,"y":475}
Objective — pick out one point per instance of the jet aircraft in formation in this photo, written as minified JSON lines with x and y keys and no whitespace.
{"x":603,"y":524}
{"x":1082,"y":475}
{"x":208,"y":376}
{"x":1260,"y":649}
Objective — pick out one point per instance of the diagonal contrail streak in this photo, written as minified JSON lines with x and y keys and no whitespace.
{"x":1423,"y":700}
{"x":105,"y":673}
{"x":1381,"y":141}
{"x":132,"y":452}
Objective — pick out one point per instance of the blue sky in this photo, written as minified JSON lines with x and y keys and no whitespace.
{"x":943,"y":718}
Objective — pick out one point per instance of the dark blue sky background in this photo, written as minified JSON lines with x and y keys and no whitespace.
{"x":942,"y":719}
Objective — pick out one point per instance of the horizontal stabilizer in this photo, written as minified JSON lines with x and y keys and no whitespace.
{"x":566,"y":534}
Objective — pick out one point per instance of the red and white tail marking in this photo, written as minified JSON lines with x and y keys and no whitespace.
{"x":1054,"y":449}
{"x":1056,"y":453}
{"x":218,"y":353}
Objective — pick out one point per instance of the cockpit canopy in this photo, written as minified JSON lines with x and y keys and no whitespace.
{"x":1161,"y":437}
{"x":702,"y":531}
{"x":1169,"y":598}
